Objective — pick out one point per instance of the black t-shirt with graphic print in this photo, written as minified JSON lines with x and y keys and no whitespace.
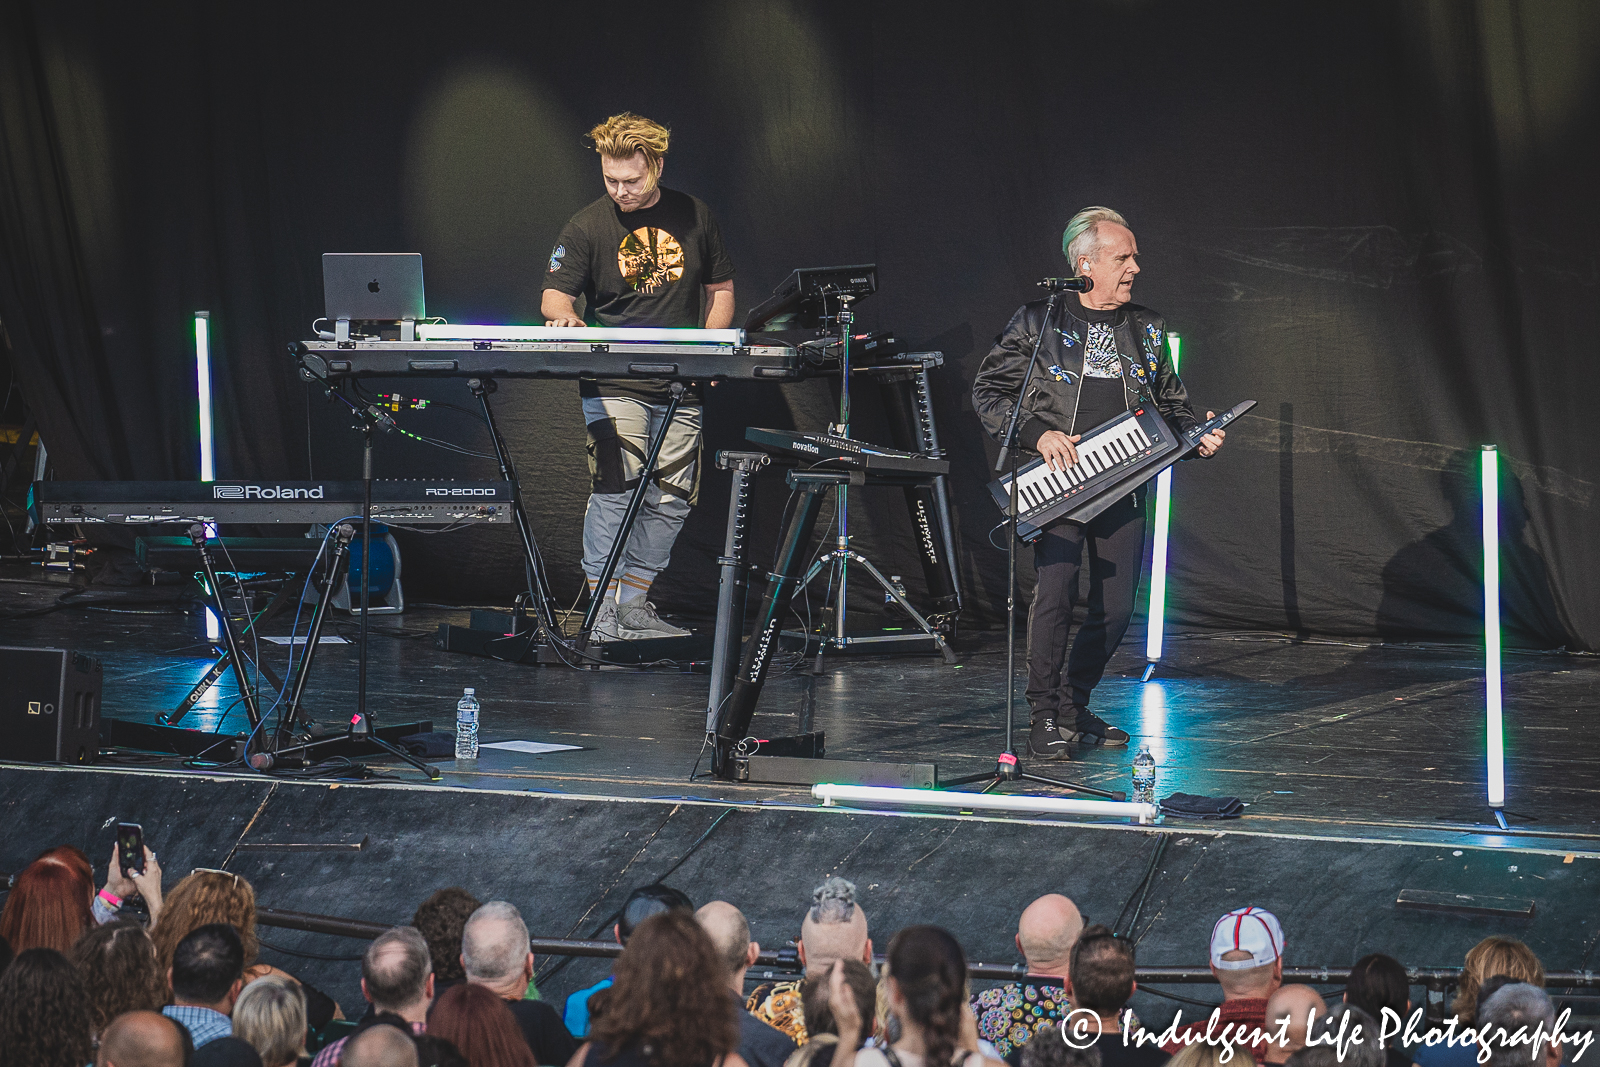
{"x":640,"y":268}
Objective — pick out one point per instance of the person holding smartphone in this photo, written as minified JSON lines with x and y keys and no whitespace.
{"x":126,"y":878}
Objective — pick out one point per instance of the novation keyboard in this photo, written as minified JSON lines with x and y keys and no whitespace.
{"x":551,"y":352}
{"x":402,"y":502}
{"x":845,"y":452}
{"x":1114,"y":458}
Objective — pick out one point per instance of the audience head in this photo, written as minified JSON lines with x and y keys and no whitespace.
{"x":49,"y":904}
{"x":835,"y":928}
{"x":494,"y":949}
{"x":440,"y":920}
{"x":397,"y":973}
{"x":815,"y":991}
{"x":1490,"y":957}
{"x":1247,"y":953}
{"x":1048,"y":1048}
{"x":1519,"y":1005}
{"x":480,"y":1025}
{"x":202,"y":898}
{"x":729,"y":931}
{"x":380,"y":1046}
{"x":44,"y":1015}
{"x":1046,"y":933}
{"x":1101,"y":970}
{"x":1377,"y":982}
{"x":669,"y":990}
{"x":435,"y":1051}
{"x":1209,"y":1054}
{"x":927,"y":987}
{"x":270,"y":1014}
{"x":1368,"y":1052}
{"x":646,"y":901}
{"x":207,"y":967}
{"x":141,"y":1039}
{"x":117,"y":962}
{"x":1301,"y":1004}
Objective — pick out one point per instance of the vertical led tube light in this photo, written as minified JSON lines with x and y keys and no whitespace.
{"x":1491,"y":624}
{"x":208,"y":458}
{"x":202,"y":373}
{"x":1156,"y":616}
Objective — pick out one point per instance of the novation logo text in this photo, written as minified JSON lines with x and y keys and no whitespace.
{"x":263,"y":492}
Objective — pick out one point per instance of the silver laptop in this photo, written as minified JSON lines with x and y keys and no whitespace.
{"x":373,"y":287}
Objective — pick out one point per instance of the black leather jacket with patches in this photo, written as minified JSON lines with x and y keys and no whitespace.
{"x":1052,"y":399}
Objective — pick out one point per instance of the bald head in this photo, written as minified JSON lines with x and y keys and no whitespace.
{"x":1048,"y":929}
{"x":141,"y":1039}
{"x":834,"y":936}
{"x":1299,"y":1004}
{"x":730,"y":932}
{"x":379,"y":1046}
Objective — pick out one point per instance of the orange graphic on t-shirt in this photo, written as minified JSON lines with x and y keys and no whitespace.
{"x":650,"y":258}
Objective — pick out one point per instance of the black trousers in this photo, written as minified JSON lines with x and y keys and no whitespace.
{"x":1114,"y":543}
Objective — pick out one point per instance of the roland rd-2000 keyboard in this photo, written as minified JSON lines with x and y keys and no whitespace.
{"x":1114,"y":458}
{"x":551,"y":352}
{"x":413,"y":502}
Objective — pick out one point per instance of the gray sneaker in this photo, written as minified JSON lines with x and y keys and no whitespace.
{"x":605,"y":623}
{"x":638,"y":621}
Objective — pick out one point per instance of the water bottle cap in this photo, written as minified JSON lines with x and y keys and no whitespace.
{"x":469,"y":691}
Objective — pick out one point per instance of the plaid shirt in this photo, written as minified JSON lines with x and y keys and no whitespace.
{"x":203,"y":1024}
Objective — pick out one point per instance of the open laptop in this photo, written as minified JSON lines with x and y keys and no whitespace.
{"x":373,"y":287}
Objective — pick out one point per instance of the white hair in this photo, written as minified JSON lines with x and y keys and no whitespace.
{"x":494,"y":943}
{"x":1512,"y":1007}
{"x":1081,"y":240}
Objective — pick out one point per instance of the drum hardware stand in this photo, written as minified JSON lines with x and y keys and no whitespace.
{"x":837,"y":561}
{"x":1007,"y":769}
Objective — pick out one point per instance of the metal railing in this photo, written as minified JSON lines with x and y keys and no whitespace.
{"x":785,"y":962}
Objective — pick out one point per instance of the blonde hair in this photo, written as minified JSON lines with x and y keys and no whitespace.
{"x":206,"y":897}
{"x":1490,"y":957}
{"x":270,"y":1015}
{"x":1081,"y":239}
{"x":621,"y":136}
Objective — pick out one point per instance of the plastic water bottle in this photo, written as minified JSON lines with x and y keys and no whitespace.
{"x":467,"y":725}
{"x":1144,"y":776}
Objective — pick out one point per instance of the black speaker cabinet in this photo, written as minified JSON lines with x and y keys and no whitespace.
{"x":49,"y":706}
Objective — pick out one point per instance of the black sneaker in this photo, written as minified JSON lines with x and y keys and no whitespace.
{"x":1091,"y":729}
{"x":1046,"y":742}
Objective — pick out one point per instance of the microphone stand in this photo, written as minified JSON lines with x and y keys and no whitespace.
{"x":1007,"y":769}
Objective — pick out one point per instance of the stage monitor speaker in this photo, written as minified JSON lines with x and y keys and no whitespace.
{"x":50,"y":706}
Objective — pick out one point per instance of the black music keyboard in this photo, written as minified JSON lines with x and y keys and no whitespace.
{"x":404,"y":502}
{"x":551,"y":352}
{"x":845,"y":452}
{"x":1114,"y":458}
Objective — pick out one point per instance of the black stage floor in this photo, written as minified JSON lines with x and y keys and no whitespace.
{"x":1320,"y":739}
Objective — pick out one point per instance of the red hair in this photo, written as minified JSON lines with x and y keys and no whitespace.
{"x":49,"y":905}
{"x":478,"y":1023}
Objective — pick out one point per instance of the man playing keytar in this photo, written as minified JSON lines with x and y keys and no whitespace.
{"x":1098,"y":355}
{"x":642,"y":255}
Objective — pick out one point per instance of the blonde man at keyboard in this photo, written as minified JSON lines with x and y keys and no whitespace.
{"x":641,"y":255}
{"x":1102,"y":351}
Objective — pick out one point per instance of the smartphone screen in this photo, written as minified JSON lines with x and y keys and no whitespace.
{"x":130,"y":848}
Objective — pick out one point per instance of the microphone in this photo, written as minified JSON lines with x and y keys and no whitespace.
{"x":1066,"y":285}
{"x":266,"y":761}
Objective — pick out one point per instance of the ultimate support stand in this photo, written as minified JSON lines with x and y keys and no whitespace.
{"x":796,"y":759}
{"x":1007,"y":769}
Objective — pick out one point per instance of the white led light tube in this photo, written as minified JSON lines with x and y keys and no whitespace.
{"x":830,"y":795}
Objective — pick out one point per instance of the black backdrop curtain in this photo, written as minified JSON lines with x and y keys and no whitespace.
{"x":1377,"y":219}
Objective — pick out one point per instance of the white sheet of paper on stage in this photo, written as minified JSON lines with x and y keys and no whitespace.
{"x":325,"y":639}
{"x":532,"y":748}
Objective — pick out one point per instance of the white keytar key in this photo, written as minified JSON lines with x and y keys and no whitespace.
{"x":1098,"y":453}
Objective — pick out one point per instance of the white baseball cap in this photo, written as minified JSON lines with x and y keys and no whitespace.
{"x":1253,"y":930}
